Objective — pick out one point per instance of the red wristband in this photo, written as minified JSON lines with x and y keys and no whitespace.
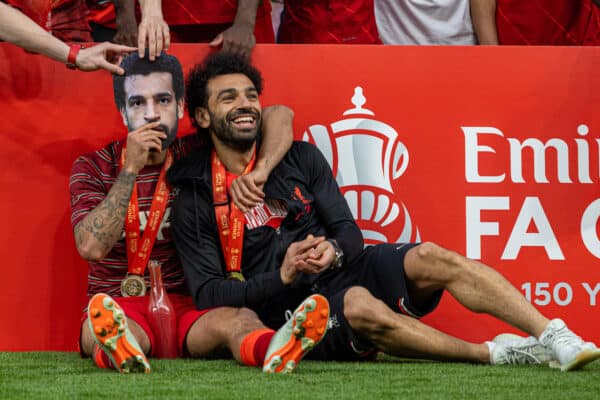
{"x":72,"y":57}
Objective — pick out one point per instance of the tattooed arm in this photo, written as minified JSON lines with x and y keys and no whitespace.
{"x":101,"y":228}
{"x":97,"y":233}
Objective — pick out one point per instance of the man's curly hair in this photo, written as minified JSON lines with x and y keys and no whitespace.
{"x":215,"y":65}
{"x":134,"y":65}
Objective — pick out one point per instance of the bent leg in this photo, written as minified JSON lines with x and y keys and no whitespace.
{"x":221,"y":328}
{"x":481,"y":289}
{"x":87,"y":341}
{"x":108,"y":326}
{"x":403,"y":336}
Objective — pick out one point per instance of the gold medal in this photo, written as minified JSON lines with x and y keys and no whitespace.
{"x":133,"y":285}
{"x":235,"y":276}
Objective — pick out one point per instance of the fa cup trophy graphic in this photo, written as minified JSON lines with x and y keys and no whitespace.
{"x":366,"y":156}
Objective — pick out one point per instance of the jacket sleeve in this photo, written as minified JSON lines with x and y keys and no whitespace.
{"x":198,"y":246}
{"x":330,"y":204}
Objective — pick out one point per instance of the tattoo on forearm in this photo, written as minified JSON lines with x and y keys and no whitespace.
{"x":105,"y":222}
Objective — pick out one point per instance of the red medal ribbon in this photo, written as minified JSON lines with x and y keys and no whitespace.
{"x":138,"y":255}
{"x":230,"y":220}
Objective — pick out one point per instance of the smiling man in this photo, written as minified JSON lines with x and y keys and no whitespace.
{"x":302,"y":240}
{"x":113,"y":192}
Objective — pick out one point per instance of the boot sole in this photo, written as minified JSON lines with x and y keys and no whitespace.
{"x":309,"y":328}
{"x":108,"y":325}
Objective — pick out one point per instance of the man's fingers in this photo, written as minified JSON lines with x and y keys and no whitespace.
{"x":239,"y":200}
{"x":151,"y":43}
{"x":143,"y":128}
{"x":166,"y":36}
{"x":117,"y":48}
{"x":217,"y":41}
{"x":142,"y":36}
{"x":159,"y":40}
{"x":307,"y":268}
{"x":247,"y":190}
{"x":246,"y":195}
{"x":149,"y":125}
{"x":111,"y":67}
{"x":319,"y":264}
{"x":305,"y":245}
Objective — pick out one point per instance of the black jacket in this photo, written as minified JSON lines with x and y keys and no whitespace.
{"x":320,"y":209}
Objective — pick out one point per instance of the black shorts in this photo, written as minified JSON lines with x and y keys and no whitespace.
{"x":380,"y":269}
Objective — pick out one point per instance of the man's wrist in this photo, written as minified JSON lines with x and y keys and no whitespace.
{"x":339,"y":254}
{"x":286,"y":279}
{"x":74,"y":50}
{"x":151,"y":8}
{"x":130,"y":170}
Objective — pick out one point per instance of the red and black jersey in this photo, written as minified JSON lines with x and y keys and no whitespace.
{"x":333,"y":21}
{"x":548,"y":22}
{"x":92,"y":177}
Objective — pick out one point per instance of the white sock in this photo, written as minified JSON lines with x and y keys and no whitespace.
{"x":491,"y":346}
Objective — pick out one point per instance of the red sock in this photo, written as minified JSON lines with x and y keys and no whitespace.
{"x":101,"y":358}
{"x":254,"y":347}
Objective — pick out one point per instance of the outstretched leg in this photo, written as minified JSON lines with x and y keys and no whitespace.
{"x":429,"y":268}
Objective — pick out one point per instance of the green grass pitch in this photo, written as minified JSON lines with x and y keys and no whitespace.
{"x":48,"y":375}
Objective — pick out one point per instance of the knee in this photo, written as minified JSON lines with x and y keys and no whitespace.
{"x":431,"y":254}
{"x":247,"y":318}
{"x":363,"y":312}
{"x":431,"y":251}
{"x":233,"y":322}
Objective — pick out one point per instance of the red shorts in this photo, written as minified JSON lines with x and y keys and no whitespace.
{"x":136,"y":309}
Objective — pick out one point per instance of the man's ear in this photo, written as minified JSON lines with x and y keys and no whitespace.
{"x":202,"y":117}
{"x":124,"y":117}
{"x":180,"y":108}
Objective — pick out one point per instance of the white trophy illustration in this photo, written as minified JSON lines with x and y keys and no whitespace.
{"x":365,"y":156}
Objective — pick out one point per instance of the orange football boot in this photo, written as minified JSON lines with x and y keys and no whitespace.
{"x":298,"y":336}
{"x":108,"y":325}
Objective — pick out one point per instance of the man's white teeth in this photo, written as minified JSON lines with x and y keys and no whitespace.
{"x":243,"y":119}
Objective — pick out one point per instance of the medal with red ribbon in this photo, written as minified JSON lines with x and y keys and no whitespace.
{"x":230,"y":219}
{"x":139,"y":249}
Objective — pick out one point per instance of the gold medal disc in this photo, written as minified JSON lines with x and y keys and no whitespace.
{"x":133,"y":285}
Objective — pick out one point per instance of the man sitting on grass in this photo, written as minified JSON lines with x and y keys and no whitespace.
{"x":302,"y":240}
{"x":120,"y":202}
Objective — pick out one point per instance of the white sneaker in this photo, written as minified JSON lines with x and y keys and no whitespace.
{"x":568,"y":349}
{"x":513,"y":349}
{"x":535,"y":348}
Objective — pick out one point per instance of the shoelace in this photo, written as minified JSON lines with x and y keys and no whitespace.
{"x":564,"y":337}
{"x":288,"y":315}
{"x":520,"y":356}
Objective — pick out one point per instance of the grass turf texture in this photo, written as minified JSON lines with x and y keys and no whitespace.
{"x":66,"y":376}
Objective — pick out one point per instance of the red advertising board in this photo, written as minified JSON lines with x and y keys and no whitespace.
{"x":493,"y":152}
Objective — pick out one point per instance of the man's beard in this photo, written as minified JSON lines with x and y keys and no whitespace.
{"x":232,"y":137}
{"x":170,"y":132}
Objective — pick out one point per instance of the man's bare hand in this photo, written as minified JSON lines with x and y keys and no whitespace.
{"x":139,"y":144}
{"x":105,"y":55}
{"x":246,"y":190}
{"x":296,"y":257}
{"x":321,"y":257}
{"x":153,"y":33}
{"x":238,"y":39}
